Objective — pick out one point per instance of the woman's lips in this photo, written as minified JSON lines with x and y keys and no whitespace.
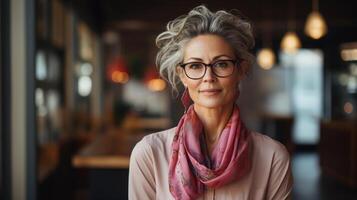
{"x":210,"y":91}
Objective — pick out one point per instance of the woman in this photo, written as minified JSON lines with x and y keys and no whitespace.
{"x":210,"y":154}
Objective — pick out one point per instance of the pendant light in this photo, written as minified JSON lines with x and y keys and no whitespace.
{"x":315,"y":26}
{"x":291,"y":42}
{"x":266,"y":56}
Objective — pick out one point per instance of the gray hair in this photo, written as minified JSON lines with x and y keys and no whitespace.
{"x":200,"y":20}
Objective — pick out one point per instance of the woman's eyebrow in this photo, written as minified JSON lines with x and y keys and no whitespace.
{"x":214,"y":58}
{"x":195,"y":58}
{"x":219,"y":56}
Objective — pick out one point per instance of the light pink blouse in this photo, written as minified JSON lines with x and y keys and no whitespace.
{"x":269,"y":178}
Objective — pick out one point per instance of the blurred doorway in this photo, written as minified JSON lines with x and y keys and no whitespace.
{"x":305,"y":75}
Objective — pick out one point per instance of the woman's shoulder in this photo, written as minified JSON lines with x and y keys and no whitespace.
{"x":154,"y":141}
{"x":164,"y":136}
{"x":267,"y":145}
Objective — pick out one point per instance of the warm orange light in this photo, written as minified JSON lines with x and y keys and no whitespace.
{"x":156,"y":85}
{"x":117,"y":70}
{"x":290,"y":42}
{"x":315,"y":25}
{"x":120,"y":77}
{"x":349,"y":54}
{"x":266,"y":58}
{"x":348,"y":107}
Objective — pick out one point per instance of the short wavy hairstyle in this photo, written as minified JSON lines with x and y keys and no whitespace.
{"x":200,"y":20}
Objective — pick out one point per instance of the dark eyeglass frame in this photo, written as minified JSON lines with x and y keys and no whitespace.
{"x":235,"y":63}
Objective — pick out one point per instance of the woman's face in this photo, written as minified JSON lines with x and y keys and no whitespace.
{"x":210,"y":91}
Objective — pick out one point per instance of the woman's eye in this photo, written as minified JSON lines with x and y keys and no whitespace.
{"x":221,"y":64}
{"x":195,"y":66}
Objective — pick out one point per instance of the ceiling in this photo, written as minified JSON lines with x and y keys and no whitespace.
{"x":267,"y":16}
{"x":109,"y":13}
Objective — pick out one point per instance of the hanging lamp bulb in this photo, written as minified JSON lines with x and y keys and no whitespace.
{"x":290,"y":42}
{"x":266,"y":58}
{"x":315,"y":26}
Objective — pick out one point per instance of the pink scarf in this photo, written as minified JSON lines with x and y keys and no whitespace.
{"x":191,"y":169}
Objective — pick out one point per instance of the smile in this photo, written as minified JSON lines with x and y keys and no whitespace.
{"x":210,"y":91}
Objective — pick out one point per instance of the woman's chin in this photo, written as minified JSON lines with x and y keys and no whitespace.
{"x":211,"y":103}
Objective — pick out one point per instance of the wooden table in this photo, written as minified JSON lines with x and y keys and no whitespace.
{"x":110,"y":150}
{"x":106,"y":163}
{"x":105,"y":160}
{"x":107,"y":157}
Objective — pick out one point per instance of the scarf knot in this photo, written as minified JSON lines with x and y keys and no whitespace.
{"x":191,"y":169}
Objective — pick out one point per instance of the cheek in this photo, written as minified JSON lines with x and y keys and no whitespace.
{"x":192,"y":85}
{"x":230,"y":83}
{"x":231,"y":89}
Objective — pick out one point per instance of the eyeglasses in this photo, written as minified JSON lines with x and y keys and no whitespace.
{"x":220,"y":68}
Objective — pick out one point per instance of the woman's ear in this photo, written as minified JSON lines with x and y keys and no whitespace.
{"x":243,"y":68}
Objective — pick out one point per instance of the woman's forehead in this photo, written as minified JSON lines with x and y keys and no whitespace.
{"x":207,"y":47}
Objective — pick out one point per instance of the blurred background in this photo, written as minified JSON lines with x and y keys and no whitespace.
{"x":79,"y":87}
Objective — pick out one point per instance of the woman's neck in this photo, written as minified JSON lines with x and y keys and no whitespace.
{"x":214,"y":120}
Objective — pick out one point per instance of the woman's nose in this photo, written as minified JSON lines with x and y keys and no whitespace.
{"x":209,"y":75}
